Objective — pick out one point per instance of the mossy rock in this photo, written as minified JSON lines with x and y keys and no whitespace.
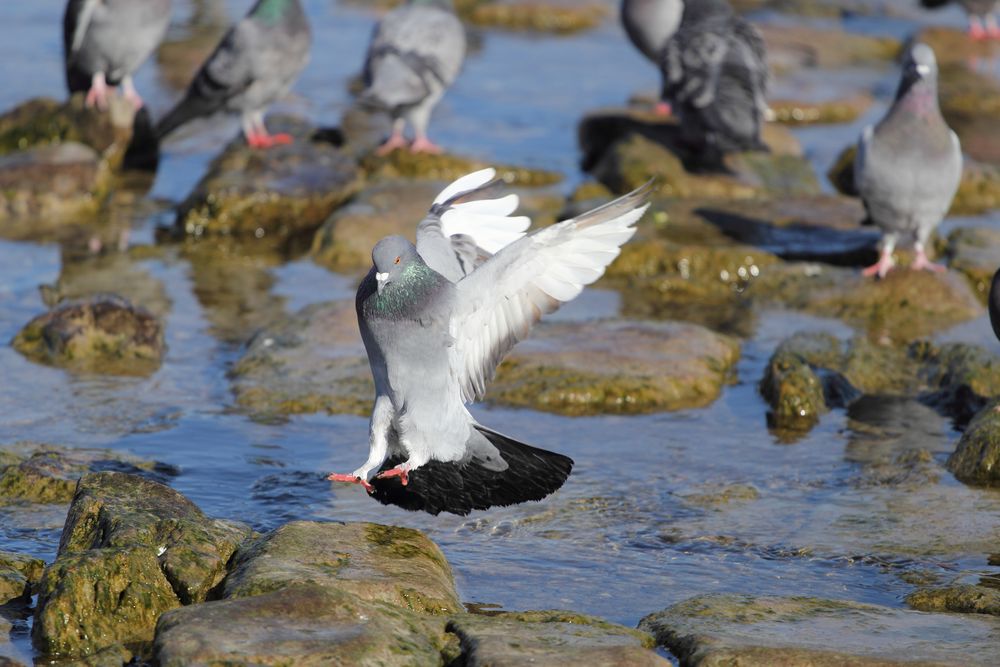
{"x":793,"y":47}
{"x":615,"y":367}
{"x":276,"y":193}
{"x":792,"y":387}
{"x":18,"y":573}
{"x":975,"y":252}
{"x":117,"y":510}
{"x":299,"y":624}
{"x":559,"y":18}
{"x":46,"y":122}
{"x":970,"y":103}
{"x":104,"y":334}
{"x":406,"y":165}
{"x":976,"y":459}
{"x":549,"y":638}
{"x":961,"y":599}
{"x":797,"y":112}
{"x":96,"y":599}
{"x":371,"y":562}
{"x":953,"y":46}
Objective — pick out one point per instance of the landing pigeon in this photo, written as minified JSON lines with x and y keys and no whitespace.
{"x":105,"y":41}
{"x":650,"y":24}
{"x":908,"y":166}
{"x":257,"y":62}
{"x":716,"y":76}
{"x":415,"y":55}
{"x":437,"y":319}
{"x":982,"y":16}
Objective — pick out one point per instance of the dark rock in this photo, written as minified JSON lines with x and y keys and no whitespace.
{"x":104,"y":334}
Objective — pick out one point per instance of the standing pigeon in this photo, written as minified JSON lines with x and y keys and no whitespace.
{"x":907,"y":167}
{"x":436,"y":328}
{"x":982,"y":16}
{"x":715,"y":74}
{"x":650,"y":24}
{"x":257,"y":62}
{"x":105,"y":41}
{"x":414,"y":56}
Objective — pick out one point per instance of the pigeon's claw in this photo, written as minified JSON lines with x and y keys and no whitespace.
{"x":400,"y":471}
{"x":881,"y":267}
{"x":922,"y":263}
{"x":425,"y":145}
{"x":394,"y":142}
{"x":97,"y":96}
{"x":349,"y":479}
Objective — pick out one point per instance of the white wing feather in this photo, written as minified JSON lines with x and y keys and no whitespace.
{"x":498,"y":303}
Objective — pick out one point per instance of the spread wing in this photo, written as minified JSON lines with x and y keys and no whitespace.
{"x":498,"y":303}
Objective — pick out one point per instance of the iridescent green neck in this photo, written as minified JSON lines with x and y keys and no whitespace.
{"x":271,"y":10}
{"x":408,"y":293}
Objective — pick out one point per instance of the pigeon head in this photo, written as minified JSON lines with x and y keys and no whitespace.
{"x":919,"y":68}
{"x":391,"y":257}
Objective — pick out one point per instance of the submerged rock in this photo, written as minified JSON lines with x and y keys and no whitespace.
{"x":18,"y":573}
{"x":103,"y":334}
{"x":57,"y":182}
{"x":550,"y":638}
{"x":615,"y":367}
{"x":976,"y":459}
{"x":749,"y":631}
{"x":962,"y":599}
{"x":278,"y":193}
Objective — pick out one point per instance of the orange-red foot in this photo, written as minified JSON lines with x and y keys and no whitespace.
{"x":402,"y":473}
{"x":268,"y":140}
{"x":663,"y":109}
{"x":349,"y":479}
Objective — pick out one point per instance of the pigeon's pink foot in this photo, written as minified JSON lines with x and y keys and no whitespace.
{"x":97,"y":96}
{"x":976,"y":30}
{"x":663,"y":109}
{"x":425,"y":145}
{"x":131,"y":94}
{"x":399,"y":471}
{"x":394,"y":142}
{"x":881,"y":267}
{"x":924,"y":264}
{"x":992,"y":29}
{"x":349,"y":479}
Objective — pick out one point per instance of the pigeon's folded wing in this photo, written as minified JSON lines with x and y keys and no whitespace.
{"x":228,"y":71}
{"x":497,"y":304}
{"x":75,"y":25}
{"x":694,"y":63}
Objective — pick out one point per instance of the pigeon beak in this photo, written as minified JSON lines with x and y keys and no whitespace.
{"x":923,"y":70}
{"x":381,"y":279}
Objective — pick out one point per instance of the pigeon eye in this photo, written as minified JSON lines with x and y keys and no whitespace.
{"x":397,"y":261}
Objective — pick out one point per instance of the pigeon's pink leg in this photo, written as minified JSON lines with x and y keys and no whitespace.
{"x":350,"y":479}
{"x":401,"y":471}
{"x":992,"y":29}
{"x":425,"y":145}
{"x":395,"y":140}
{"x":98,"y":93}
{"x":882,"y":266}
{"x":131,"y":94}
{"x":663,"y":109}
{"x":976,"y":30}
{"x":921,"y":262}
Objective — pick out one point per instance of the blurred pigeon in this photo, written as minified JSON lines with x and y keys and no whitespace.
{"x":105,"y":41}
{"x":716,"y":76}
{"x":994,"y":304}
{"x":908,"y":166}
{"x":434,"y":342}
{"x":414,"y":56}
{"x":650,"y":24}
{"x":257,"y":62}
{"x":982,"y":16}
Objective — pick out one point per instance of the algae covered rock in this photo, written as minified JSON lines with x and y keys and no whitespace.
{"x":371,"y":562}
{"x":313,"y":361}
{"x":976,"y":459}
{"x":725,"y":629}
{"x":615,"y":367}
{"x":18,"y":573}
{"x":548,"y":16}
{"x":301,"y":625}
{"x":278,"y":193}
{"x":961,"y":599}
{"x":54,"y":182}
{"x":791,"y":384}
{"x":444,"y":168}
{"x":103,"y":334}
{"x":547,"y":638}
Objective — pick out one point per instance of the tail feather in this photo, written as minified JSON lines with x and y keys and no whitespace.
{"x":189,"y":108}
{"x":459,"y":488}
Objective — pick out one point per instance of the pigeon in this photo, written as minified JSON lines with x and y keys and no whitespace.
{"x":994,"y":304}
{"x":908,"y":166}
{"x":982,"y":16}
{"x":256,"y":62}
{"x":650,"y":24}
{"x":105,"y":41}
{"x":439,"y":316}
{"x":415,"y":54}
{"x":716,"y":76}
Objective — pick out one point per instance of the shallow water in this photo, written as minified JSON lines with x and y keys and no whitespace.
{"x":638,"y":526}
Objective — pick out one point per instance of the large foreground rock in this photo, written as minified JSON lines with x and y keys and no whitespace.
{"x":278,"y":193}
{"x":810,"y":632}
{"x":102,"y":334}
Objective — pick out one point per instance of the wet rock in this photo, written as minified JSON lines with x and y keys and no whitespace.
{"x":624,"y":148}
{"x":444,"y":168}
{"x":369,"y":562}
{"x":51,"y":183}
{"x":962,"y":599}
{"x":713,"y":496}
{"x":104,"y":334}
{"x":975,"y":252}
{"x":747,"y":630}
{"x":791,"y":47}
{"x":797,"y":112}
{"x":970,"y":102}
{"x":550,"y":638}
{"x":976,"y":459}
{"x":46,"y":122}
{"x":18,"y":573}
{"x":552,"y":17}
{"x":615,"y":367}
{"x":953,"y":46}
{"x":313,"y":361}
{"x":84,"y":275}
{"x":278,"y":193}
